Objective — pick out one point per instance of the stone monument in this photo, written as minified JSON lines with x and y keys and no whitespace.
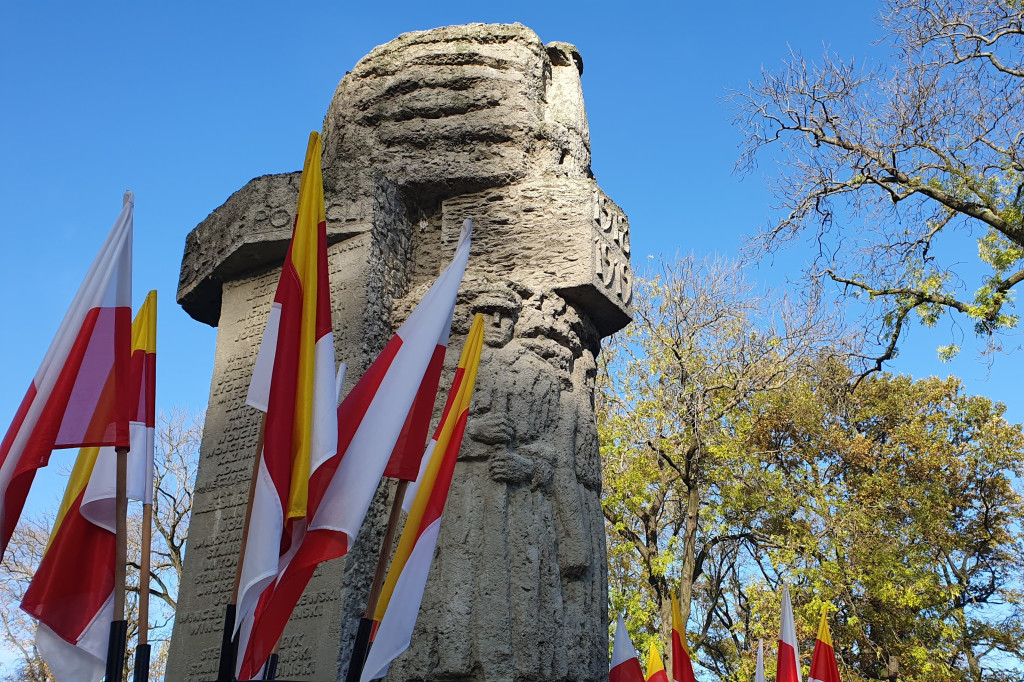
{"x":483,"y":122}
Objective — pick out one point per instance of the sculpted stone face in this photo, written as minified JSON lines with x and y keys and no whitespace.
{"x":478,"y":121}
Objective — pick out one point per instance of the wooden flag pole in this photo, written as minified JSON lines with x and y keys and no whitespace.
{"x":142,"y":650}
{"x":228,"y":644}
{"x":117,"y":643}
{"x":362,"y":646}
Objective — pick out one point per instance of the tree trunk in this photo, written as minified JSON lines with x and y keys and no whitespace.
{"x":689,"y":552}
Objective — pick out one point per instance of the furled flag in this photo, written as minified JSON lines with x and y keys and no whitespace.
{"x":400,"y":599}
{"x":682,"y":666}
{"x":759,"y":671}
{"x":78,"y":397}
{"x":625,"y":666}
{"x":72,"y":591}
{"x":823,"y":663}
{"x":788,"y":666}
{"x":655,"y":668}
{"x":293,"y":382}
{"x":370,"y":421}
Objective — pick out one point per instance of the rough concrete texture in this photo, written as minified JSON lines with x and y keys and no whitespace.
{"x":482,"y":122}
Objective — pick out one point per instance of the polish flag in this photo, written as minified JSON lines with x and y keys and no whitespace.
{"x":72,"y":591}
{"x":79,"y":396}
{"x":655,"y":668}
{"x":294,"y":384}
{"x":682,"y":666}
{"x":823,"y":663}
{"x":371,"y":420}
{"x":788,"y":666}
{"x":402,"y":594}
{"x":625,"y":666}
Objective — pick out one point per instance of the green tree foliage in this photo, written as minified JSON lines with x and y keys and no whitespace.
{"x":897,"y":503}
{"x":703,"y":343}
{"x":896,"y":169}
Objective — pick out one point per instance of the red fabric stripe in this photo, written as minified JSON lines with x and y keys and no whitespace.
{"x":453,"y":392}
{"x":75,"y":576}
{"x":19,"y":419}
{"x":660,"y":676}
{"x":443,"y":482}
{"x":405,"y":458}
{"x":150,"y":392}
{"x":786,"y":666}
{"x":682,"y":666}
{"x":627,"y":671}
{"x":823,"y":663}
{"x":278,"y":441}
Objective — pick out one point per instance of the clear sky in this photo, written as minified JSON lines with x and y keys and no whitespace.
{"x":184,"y":102}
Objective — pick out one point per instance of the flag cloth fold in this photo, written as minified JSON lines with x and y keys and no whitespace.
{"x":787,"y":668}
{"x":402,"y":594}
{"x":71,"y":593}
{"x":759,"y":670}
{"x":294,"y":384}
{"x":370,"y":421}
{"x":655,"y":668}
{"x":823,"y":663}
{"x":682,"y":666}
{"x":79,"y":395}
{"x":625,"y":666}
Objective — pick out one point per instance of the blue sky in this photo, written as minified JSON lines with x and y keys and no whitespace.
{"x":185,"y":102}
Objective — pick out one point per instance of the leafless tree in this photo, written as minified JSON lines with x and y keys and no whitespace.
{"x":898,"y":171}
{"x":178,"y":435}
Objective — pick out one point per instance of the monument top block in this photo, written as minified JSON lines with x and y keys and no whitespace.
{"x":482,"y":116}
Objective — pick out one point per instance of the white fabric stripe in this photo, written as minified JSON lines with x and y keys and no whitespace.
{"x":354,"y":484}
{"x":323,"y":442}
{"x":84,"y":662}
{"x":99,"y":500}
{"x":395,"y":631}
{"x":759,"y":672}
{"x":623,"y":649}
{"x":263,"y":371}
{"x":111,"y":270}
{"x":260,"y":564}
{"x":787,"y":631}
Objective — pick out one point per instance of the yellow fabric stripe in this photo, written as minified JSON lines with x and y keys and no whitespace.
{"x":677,"y":623}
{"x":823,"y":634}
{"x":654,"y":664}
{"x":469,"y":361}
{"x":143,"y":338}
{"x":305,"y":243}
{"x":144,"y":326}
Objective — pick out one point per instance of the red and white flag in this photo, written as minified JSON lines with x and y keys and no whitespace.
{"x":823,"y":663}
{"x":72,"y":591}
{"x":370,"y":421}
{"x":402,"y":594}
{"x":788,"y":666}
{"x":625,"y":666}
{"x":79,"y":396}
{"x":294,"y":384}
{"x":682,"y":666}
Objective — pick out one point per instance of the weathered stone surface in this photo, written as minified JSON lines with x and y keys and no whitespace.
{"x":478,"y":121}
